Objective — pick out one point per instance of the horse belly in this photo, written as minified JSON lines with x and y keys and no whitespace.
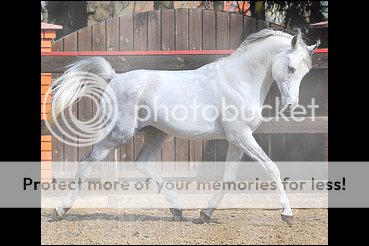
{"x":192,"y":130}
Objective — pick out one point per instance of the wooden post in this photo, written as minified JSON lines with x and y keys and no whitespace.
{"x":47,"y":34}
{"x":326,"y":114}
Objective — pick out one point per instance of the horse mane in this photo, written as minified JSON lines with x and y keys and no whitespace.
{"x":264,"y":34}
{"x":268,"y":32}
{"x":258,"y":36}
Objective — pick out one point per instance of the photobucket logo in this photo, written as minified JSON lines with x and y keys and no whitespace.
{"x":210,"y":113}
{"x":79,"y":132}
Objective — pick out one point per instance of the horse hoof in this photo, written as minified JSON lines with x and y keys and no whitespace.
{"x":288,"y":219}
{"x":204,"y":217}
{"x":177,"y":213}
{"x":55,"y":216}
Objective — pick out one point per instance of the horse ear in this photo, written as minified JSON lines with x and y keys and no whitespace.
{"x":294,"y":42}
{"x":312,"y":48}
{"x":295,"y":39}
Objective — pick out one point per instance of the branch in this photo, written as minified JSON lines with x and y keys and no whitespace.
{"x":124,"y":7}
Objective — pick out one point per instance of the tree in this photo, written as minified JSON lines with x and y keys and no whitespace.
{"x":72,"y":15}
{"x":43,"y":10}
{"x":299,"y":14}
{"x":257,"y":9}
{"x":163,"y":5}
{"x":218,"y":5}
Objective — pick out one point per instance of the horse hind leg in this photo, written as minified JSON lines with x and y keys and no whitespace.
{"x":85,"y":167}
{"x":153,"y":143}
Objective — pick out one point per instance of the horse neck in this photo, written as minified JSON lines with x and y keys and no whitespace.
{"x":254,"y":64}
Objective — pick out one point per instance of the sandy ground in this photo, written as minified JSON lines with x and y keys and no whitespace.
{"x":154,"y":226}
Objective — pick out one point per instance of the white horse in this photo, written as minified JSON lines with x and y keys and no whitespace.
{"x":241,"y":80}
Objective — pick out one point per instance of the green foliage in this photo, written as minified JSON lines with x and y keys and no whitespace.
{"x":299,"y":14}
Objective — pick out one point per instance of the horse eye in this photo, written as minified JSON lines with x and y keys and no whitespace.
{"x":291,"y":69}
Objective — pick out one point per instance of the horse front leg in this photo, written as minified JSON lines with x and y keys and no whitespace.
{"x":234,"y":156}
{"x":247,"y":142}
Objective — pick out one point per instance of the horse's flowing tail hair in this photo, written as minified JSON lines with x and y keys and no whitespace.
{"x":76,"y":81}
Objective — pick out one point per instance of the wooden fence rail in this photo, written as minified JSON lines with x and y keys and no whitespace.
{"x":274,"y":125}
{"x":121,"y":62}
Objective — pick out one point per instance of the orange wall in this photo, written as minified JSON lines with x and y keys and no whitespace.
{"x":46,"y":140}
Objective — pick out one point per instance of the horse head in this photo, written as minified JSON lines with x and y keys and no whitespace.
{"x":289,"y":67}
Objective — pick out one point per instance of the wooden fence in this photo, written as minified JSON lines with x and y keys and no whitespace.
{"x":183,"y":29}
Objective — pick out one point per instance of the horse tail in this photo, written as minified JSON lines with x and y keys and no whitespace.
{"x":76,"y":81}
